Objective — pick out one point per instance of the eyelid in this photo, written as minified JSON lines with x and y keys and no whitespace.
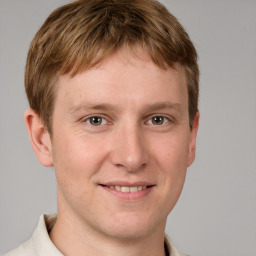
{"x":148,"y":118}
{"x":87,"y":118}
{"x":103,"y":120}
{"x":168,"y":118}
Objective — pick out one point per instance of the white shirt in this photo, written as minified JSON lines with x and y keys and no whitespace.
{"x":40,"y":243}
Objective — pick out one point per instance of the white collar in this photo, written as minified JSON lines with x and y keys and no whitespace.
{"x":40,"y":243}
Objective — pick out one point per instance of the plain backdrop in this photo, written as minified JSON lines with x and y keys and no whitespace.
{"x":216,"y":214}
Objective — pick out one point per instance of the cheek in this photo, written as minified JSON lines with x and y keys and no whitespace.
{"x":173,"y":152}
{"x":76,"y":160}
{"x":172,"y":157}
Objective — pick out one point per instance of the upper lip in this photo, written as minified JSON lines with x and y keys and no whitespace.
{"x":127,"y":184}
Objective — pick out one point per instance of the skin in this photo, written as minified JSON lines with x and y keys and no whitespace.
{"x":142,"y":136}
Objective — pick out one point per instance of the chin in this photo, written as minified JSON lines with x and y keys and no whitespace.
{"x":128,"y":234}
{"x":130,"y":227}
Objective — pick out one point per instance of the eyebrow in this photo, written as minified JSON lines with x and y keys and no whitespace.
{"x":112,"y":107}
{"x":162,"y":105}
{"x":91,"y":106}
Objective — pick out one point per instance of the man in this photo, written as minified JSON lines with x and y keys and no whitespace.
{"x":113,"y":93}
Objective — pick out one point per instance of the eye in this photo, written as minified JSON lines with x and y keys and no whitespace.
{"x":158,"y":120}
{"x":96,"y":120}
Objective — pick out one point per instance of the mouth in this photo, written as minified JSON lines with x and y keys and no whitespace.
{"x":127,"y":189}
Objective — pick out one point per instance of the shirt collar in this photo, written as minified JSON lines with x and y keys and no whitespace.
{"x":44,"y":246}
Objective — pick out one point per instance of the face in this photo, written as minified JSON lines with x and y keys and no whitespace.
{"x":121,"y":145}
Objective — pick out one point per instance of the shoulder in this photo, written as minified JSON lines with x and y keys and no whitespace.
{"x":40,"y":243}
{"x":171,"y":248}
{"x":26,"y":249}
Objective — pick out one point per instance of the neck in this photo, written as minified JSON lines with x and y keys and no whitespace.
{"x":76,"y":239}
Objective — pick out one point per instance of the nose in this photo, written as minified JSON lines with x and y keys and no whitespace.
{"x":129,"y":149}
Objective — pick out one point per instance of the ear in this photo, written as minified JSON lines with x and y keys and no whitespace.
{"x":39,"y":137}
{"x":192,"y":140}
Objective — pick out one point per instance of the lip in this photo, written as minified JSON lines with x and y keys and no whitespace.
{"x":128,"y":196}
{"x":126,"y":183}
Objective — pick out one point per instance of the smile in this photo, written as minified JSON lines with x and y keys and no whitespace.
{"x":128,"y":192}
{"x":126,"y":189}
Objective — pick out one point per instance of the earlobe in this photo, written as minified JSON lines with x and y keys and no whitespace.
{"x":39,"y":137}
{"x":192,"y":140}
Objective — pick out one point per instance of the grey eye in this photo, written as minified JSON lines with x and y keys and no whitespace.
{"x":95,"y":120}
{"x":158,"y":120}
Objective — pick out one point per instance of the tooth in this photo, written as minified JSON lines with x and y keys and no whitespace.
{"x":133,"y":189}
{"x":125,"y":189}
{"x":118,"y":188}
{"x":128,"y":189}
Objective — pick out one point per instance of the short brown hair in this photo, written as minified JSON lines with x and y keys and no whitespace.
{"x":83,"y":33}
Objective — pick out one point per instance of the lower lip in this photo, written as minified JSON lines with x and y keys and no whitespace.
{"x":129,"y":196}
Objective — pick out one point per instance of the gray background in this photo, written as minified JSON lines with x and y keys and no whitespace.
{"x":216,"y":214}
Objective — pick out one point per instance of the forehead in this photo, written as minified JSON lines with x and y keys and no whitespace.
{"x":124,"y":79}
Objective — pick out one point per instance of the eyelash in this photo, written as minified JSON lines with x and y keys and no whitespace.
{"x":165,"y":120}
{"x":89,"y":119}
{"x":104,"y":121}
